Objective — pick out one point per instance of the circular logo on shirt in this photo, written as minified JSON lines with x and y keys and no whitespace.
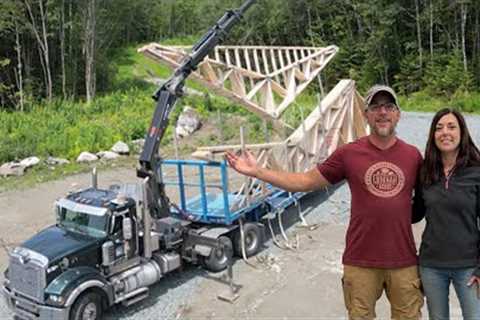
{"x":384,"y":179}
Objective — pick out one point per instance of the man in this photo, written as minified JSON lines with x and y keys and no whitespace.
{"x":381,"y":171}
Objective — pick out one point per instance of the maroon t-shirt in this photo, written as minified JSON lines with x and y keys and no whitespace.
{"x":381,"y":182}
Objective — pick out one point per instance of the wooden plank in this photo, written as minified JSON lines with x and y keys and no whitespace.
{"x":267,"y":97}
{"x":227,"y":57}
{"x":299,"y":74}
{"x":257,"y":64}
{"x":265,"y":62}
{"x":246,"y":55}
{"x":289,"y":58}
{"x":255,"y":89}
{"x":225,"y":76}
{"x":208,"y":72}
{"x":308,"y":69}
{"x":238,"y":84}
{"x":282,"y":67}
{"x":238,"y":62}
{"x":295,"y":55}
{"x":279,"y":89}
{"x":280,"y":58}
{"x":255,"y":146}
{"x":274,"y":64}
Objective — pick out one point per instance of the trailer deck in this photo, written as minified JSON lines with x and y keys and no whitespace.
{"x":220,"y":206}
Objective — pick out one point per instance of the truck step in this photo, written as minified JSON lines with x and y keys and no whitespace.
{"x":138,"y":295}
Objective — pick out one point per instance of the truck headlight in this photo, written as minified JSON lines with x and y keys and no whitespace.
{"x":52,"y":268}
{"x":56,"y":300}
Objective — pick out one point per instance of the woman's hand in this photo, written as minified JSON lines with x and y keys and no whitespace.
{"x":474,"y":280}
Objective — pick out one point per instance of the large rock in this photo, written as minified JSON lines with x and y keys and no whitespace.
{"x":87,"y":157}
{"x":12,"y":169}
{"x":108,"y":155}
{"x":30,"y":162}
{"x":137,"y":145}
{"x":187,"y":122}
{"x":56,"y":161}
{"x":121,"y":148}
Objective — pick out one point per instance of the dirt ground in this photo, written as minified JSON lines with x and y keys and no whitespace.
{"x":286,"y":284}
{"x":303,"y":283}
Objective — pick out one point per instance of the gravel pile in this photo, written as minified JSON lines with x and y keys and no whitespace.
{"x":174,"y":292}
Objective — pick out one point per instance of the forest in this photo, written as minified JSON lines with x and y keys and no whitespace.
{"x":61,"y":54}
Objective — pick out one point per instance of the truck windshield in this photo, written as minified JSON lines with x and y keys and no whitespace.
{"x":84,"y":223}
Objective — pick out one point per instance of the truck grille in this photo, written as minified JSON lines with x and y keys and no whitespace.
{"x":27,"y":273}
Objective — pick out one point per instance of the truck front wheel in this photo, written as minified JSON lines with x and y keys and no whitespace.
{"x":87,"y":307}
{"x":219,"y":258}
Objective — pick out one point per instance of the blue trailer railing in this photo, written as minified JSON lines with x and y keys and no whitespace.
{"x":219,"y":207}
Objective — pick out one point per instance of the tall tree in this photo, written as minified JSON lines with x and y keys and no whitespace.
{"x":419,"y":33}
{"x":41,"y":35}
{"x":463,"y":21}
{"x":89,"y":49}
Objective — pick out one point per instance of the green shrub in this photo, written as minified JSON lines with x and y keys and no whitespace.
{"x":467,"y":102}
{"x":446,"y":75}
{"x":421,"y":101}
{"x":66,"y":131}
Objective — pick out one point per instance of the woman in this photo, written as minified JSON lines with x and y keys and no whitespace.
{"x":449,"y":252}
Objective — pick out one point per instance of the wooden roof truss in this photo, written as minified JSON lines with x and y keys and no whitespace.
{"x":263,"y":79}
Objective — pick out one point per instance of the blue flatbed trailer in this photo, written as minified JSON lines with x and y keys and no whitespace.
{"x":215,"y":207}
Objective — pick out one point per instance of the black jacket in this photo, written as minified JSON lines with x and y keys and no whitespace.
{"x":451,"y":238}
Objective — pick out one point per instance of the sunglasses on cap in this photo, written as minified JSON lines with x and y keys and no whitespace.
{"x":389,"y":107}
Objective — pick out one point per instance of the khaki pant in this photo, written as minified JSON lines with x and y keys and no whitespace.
{"x":362,"y":287}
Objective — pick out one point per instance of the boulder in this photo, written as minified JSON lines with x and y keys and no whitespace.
{"x":87,"y":157}
{"x":187,"y":122}
{"x":121,"y":148}
{"x":137,"y":145}
{"x":56,"y":161}
{"x":108,"y":155}
{"x":30,"y":162}
{"x":12,"y":169}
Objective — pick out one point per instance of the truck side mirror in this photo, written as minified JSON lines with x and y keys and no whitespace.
{"x":127,"y":228}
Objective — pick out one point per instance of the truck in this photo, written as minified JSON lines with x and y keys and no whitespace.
{"x":108,"y":246}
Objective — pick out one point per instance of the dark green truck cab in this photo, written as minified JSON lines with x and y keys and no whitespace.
{"x":65,"y":270}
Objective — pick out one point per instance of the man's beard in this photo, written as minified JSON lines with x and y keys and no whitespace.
{"x":383,"y":132}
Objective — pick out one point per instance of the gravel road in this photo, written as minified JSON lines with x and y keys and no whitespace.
{"x":169,"y":297}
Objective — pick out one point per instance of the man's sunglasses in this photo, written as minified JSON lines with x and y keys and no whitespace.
{"x":389,"y":107}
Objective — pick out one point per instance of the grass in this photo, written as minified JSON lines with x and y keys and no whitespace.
{"x":422,"y":101}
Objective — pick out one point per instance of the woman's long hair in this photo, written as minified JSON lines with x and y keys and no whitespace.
{"x":468,"y":153}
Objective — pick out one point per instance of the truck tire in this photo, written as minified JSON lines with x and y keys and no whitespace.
{"x":253,"y":240}
{"x":87,"y":307}
{"x":219,"y":259}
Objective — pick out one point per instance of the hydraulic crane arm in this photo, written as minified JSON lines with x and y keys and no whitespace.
{"x":166,"y":97}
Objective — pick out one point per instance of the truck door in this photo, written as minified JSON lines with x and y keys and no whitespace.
{"x":125,"y":240}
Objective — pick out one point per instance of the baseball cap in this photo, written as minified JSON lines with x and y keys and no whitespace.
{"x":377,"y":89}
